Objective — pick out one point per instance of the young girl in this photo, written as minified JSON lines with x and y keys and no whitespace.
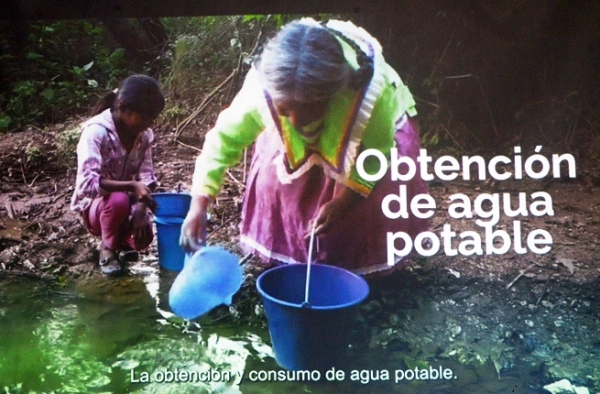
{"x":318,"y":96}
{"x":115,"y":177}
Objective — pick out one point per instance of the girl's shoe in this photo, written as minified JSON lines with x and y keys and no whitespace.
{"x":110,"y":264}
{"x":129,"y":255}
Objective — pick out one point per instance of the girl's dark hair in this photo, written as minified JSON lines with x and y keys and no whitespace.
{"x":137,"y":93}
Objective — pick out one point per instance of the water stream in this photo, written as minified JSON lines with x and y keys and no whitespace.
{"x":102,"y":335}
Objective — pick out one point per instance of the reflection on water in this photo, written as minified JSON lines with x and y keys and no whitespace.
{"x":114,"y":336}
{"x":118,"y":336}
{"x":66,"y":350}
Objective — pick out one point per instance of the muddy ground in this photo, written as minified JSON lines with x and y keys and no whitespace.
{"x":515,"y":312}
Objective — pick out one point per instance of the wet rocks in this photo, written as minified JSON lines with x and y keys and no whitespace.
{"x":565,"y":387}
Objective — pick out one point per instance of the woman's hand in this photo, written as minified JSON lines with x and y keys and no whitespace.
{"x":334,"y":211}
{"x":140,"y":225}
{"x":193,"y":229}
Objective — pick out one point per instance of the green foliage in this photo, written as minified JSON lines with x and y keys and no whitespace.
{"x":204,"y":48}
{"x":5,"y":121}
{"x":66,"y":146}
{"x":56,"y":72}
{"x":15,"y":389}
{"x":202,"y":52}
{"x":33,"y":155}
{"x":279,"y":20}
{"x":51,"y":71}
{"x":175,"y":113}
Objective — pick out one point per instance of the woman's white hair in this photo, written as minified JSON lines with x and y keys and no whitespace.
{"x":304,"y":62}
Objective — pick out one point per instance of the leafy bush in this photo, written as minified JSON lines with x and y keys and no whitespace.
{"x":59,"y":69}
{"x":66,"y":146}
{"x":33,"y":155}
{"x":55,"y":71}
{"x":204,"y":48}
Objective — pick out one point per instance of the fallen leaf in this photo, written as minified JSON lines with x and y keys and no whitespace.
{"x":29,"y":265}
{"x":567,"y":263}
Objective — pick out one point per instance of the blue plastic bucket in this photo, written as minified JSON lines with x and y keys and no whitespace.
{"x":317,"y":337}
{"x":170,"y":255}
{"x":171,"y":209}
{"x":172,"y":204}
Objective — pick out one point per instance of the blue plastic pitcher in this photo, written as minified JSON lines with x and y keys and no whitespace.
{"x":210,"y":278}
{"x":315,"y":337}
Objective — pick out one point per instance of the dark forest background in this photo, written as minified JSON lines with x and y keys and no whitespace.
{"x":485,"y":74}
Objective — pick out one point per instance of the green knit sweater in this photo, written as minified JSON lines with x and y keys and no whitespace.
{"x":354,"y":121}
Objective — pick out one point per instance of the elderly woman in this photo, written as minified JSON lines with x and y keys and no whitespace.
{"x":318,"y":96}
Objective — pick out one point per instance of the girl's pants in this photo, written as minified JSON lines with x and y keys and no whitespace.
{"x":109,"y":218}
